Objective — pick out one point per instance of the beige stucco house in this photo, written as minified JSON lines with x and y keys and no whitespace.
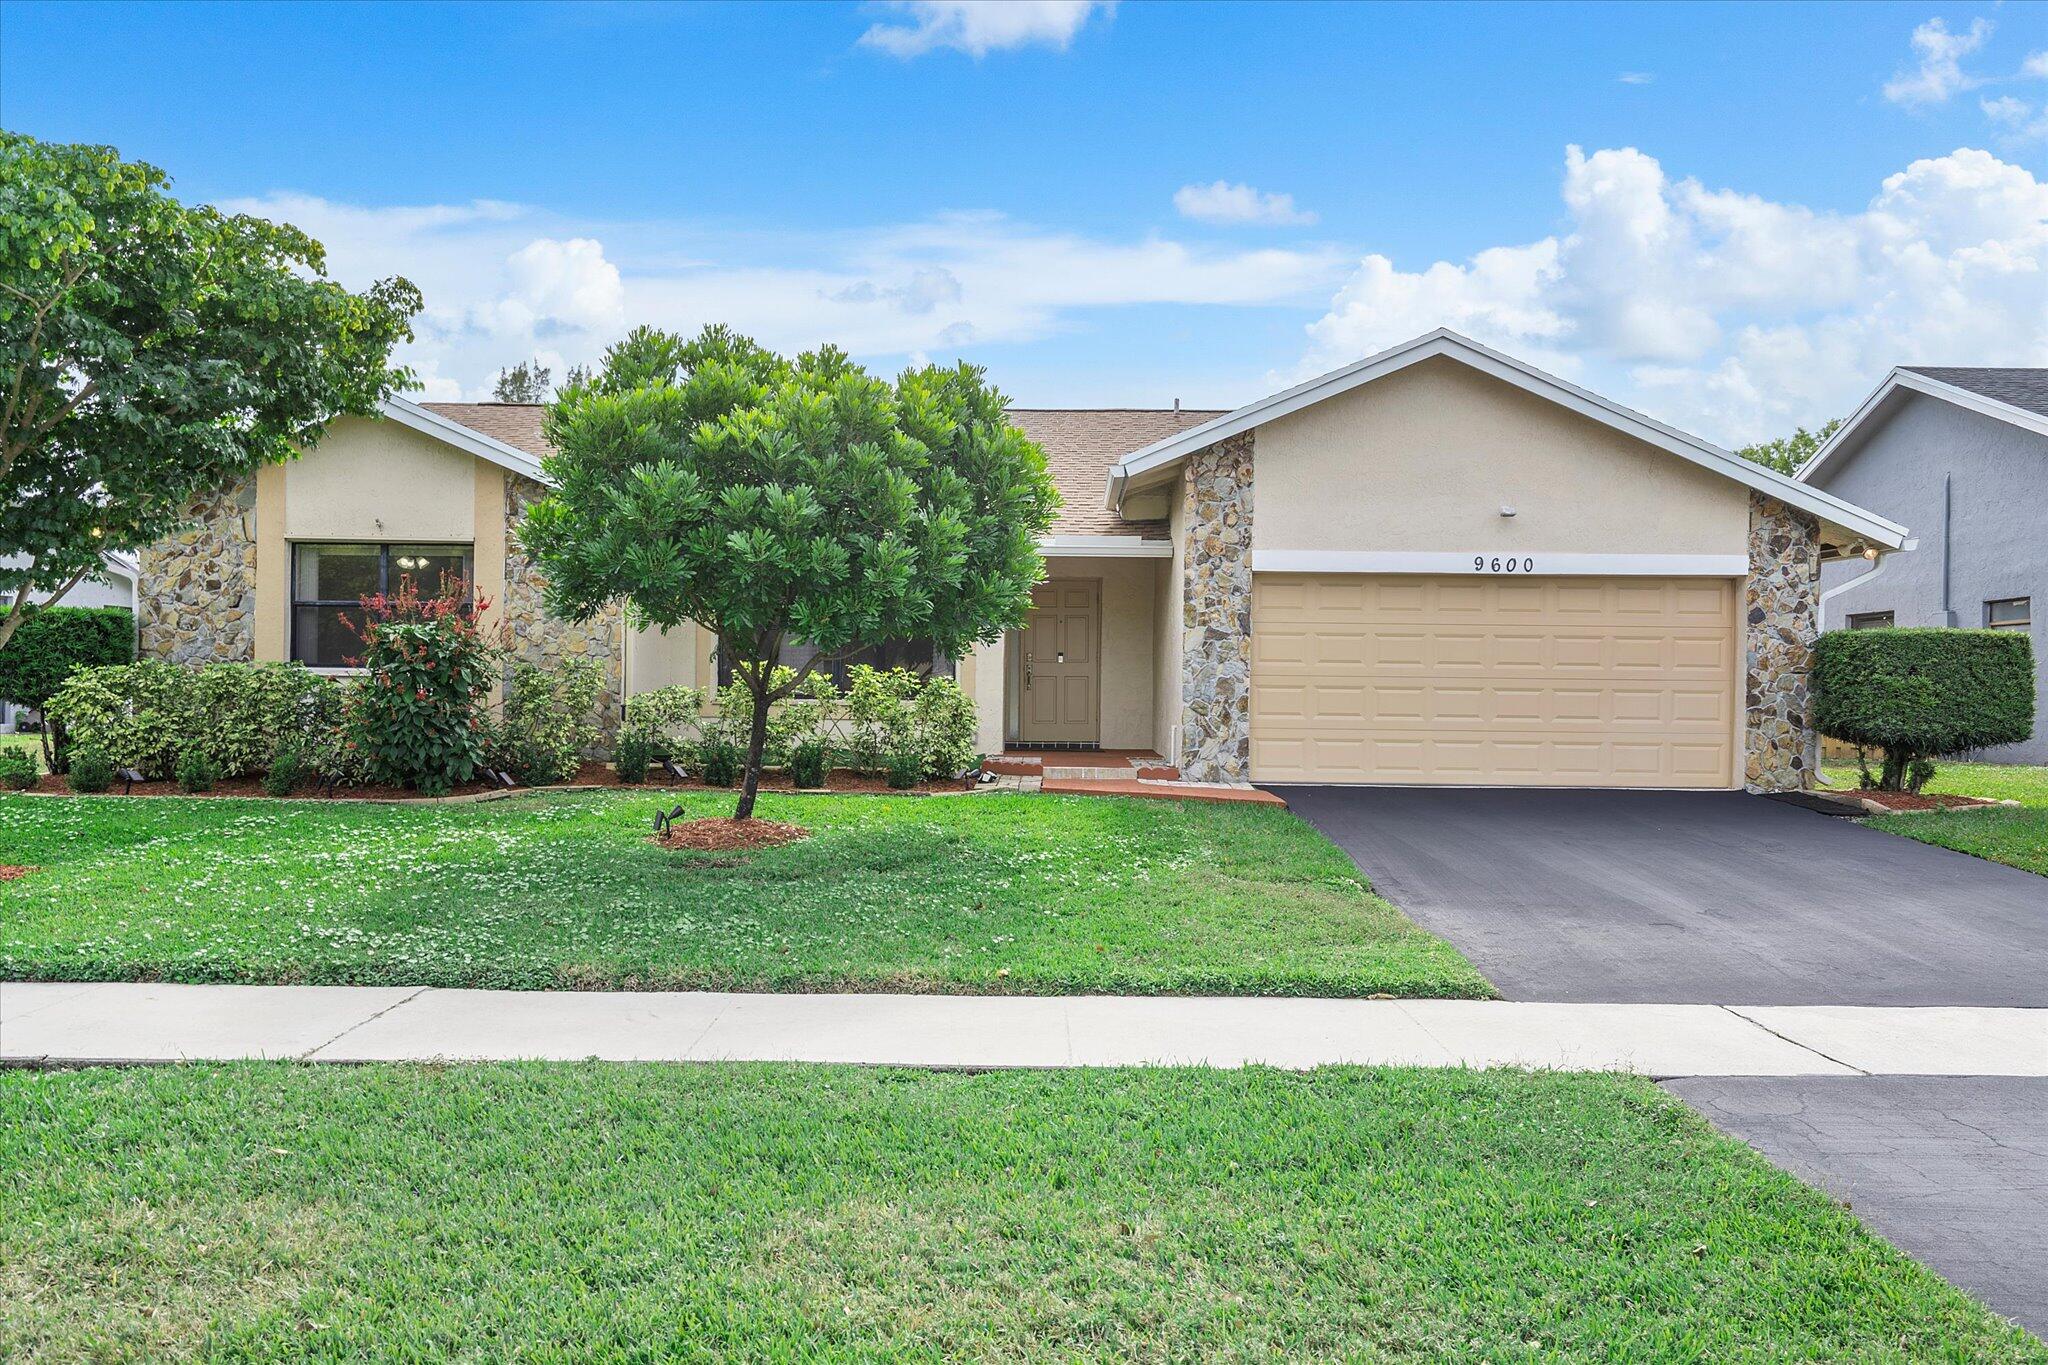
{"x":1438,"y":565}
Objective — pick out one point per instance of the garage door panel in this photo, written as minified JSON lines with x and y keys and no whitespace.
{"x":1468,"y":680}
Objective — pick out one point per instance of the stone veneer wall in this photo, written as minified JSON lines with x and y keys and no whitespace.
{"x":196,"y":597}
{"x":1782,"y":612}
{"x":1216,"y":613}
{"x":537,"y":637}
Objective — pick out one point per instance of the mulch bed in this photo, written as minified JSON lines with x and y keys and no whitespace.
{"x":13,"y":873}
{"x":721,"y":834}
{"x":1919,"y":800}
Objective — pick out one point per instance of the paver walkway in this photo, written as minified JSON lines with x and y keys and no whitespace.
{"x":80,"y":1022}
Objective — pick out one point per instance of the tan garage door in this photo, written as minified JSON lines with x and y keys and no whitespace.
{"x":1494,"y":681}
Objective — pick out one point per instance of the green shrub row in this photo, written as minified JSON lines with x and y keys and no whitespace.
{"x":52,"y":642}
{"x":891,"y":722}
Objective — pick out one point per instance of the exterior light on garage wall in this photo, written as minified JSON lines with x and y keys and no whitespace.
{"x":1506,"y":510}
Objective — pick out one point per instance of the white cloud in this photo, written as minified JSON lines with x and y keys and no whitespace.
{"x":503,"y":283}
{"x":1940,"y":72}
{"x":2021,"y":120}
{"x":2035,"y":67}
{"x":979,"y":27}
{"x":1223,"y":202}
{"x":1728,"y":313}
{"x":1636,"y":77}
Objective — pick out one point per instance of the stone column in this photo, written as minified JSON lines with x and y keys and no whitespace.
{"x":538,"y":636}
{"x":196,"y":598}
{"x":1782,"y":616}
{"x":1216,"y":613}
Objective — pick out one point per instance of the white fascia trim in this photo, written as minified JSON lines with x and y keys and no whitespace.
{"x":1539,"y":563}
{"x":1444,"y":342}
{"x":1863,"y":579}
{"x":1105,"y":547}
{"x":1933,"y":388}
{"x":467,"y":439}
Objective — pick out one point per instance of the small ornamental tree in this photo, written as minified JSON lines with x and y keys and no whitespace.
{"x":152,"y":350}
{"x":777,"y":502}
{"x":1919,"y":694}
{"x":418,"y":714}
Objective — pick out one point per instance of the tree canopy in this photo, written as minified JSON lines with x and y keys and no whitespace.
{"x":778,"y":501}
{"x":1788,"y":453}
{"x":151,"y":350}
{"x":526,"y":382}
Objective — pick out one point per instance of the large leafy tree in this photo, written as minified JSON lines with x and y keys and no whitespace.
{"x":774,"y":501}
{"x":151,"y":350}
{"x":1787,"y":453}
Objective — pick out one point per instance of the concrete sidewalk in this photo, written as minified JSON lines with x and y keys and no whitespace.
{"x":77,"y":1023}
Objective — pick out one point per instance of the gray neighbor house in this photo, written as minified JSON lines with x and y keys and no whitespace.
{"x":1960,"y":454}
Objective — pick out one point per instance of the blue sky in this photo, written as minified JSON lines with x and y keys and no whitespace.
{"x":1768,"y":205}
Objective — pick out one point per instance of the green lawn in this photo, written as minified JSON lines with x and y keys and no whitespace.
{"x":1991,"y":781}
{"x":267,"y":1211}
{"x":2018,"y":837}
{"x":1011,"y":893}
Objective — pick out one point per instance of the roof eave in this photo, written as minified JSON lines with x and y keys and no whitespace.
{"x":1849,"y":434}
{"x":468,"y":439}
{"x":1444,"y":342}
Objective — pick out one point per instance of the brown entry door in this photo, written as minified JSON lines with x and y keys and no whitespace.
{"x":1058,"y":665}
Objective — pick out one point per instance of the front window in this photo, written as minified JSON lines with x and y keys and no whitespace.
{"x":1871,"y":620}
{"x":917,"y":655}
{"x":2009,"y":613}
{"x":329,"y":580}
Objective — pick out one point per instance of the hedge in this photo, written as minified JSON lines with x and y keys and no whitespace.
{"x":1920,"y":693}
{"x":52,"y":641}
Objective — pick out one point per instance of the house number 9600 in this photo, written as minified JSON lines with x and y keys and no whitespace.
{"x":1497,"y":564}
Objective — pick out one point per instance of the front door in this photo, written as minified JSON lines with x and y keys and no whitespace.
{"x":1058,"y":665}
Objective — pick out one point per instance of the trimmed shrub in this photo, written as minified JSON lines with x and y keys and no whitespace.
{"x":18,"y":769}
{"x":1920,"y":694}
{"x":550,"y":719}
{"x":286,"y":771}
{"x":633,"y":754}
{"x":419,"y":715}
{"x":196,"y":772}
{"x":51,"y":644}
{"x":665,"y":715}
{"x":942,"y":724}
{"x":807,"y":763}
{"x":719,"y":762}
{"x":877,"y":714}
{"x":91,"y":771}
{"x":905,"y":768}
{"x":132,"y":713}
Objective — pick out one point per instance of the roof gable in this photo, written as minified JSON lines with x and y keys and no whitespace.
{"x":422,"y":418}
{"x":1446,"y":343}
{"x":1988,"y":392}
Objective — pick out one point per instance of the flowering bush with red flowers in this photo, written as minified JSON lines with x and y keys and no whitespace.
{"x":419,"y":715}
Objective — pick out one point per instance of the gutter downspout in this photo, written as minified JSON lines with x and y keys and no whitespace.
{"x":1948,"y":614}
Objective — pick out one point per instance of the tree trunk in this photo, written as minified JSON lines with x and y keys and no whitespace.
{"x":757,"y":742}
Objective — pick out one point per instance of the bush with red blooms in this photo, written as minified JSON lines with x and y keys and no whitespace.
{"x":419,"y":714}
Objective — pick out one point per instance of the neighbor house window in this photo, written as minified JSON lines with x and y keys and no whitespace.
{"x":330,"y":580}
{"x":1870,"y":620}
{"x":913,"y":654}
{"x":2009,"y":613}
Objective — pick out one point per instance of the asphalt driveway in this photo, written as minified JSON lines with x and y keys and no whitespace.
{"x":1952,"y":1170}
{"x":1692,"y":897}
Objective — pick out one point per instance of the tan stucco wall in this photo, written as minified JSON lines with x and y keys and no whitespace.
{"x":1166,"y":642}
{"x":273,"y":568}
{"x":658,"y":658}
{"x":377,"y":480}
{"x":1130,"y":601}
{"x":1424,"y":459}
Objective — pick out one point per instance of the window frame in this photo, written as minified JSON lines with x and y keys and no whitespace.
{"x":1868,"y":620}
{"x":2025,"y":604}
{"x":384,"y":585}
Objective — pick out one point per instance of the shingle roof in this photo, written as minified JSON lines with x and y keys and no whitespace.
{"x":2020,"y":388}
{"x":1080,"y":445}
{"x":516,"y":424}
